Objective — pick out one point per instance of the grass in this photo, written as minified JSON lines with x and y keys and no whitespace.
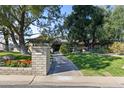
{"x":91,"y":64}
{"x":17,"y":55}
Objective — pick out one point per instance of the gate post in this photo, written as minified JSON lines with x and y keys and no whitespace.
{"x":40,"y":60}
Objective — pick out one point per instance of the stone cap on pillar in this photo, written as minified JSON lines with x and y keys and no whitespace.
{"x":40,"y":49}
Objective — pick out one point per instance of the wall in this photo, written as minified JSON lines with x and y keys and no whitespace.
{"x":40,"y":60}
{"x":15,"y":71}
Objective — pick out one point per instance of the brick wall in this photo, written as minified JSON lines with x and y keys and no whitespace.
{"x":40,"y":60}
{"x":15,"y":71}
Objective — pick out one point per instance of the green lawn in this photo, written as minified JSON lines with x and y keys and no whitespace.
{"x":17,"y":55}
{"x":91,"y":64}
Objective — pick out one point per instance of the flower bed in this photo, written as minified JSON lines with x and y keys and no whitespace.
{"x":17,"y":63}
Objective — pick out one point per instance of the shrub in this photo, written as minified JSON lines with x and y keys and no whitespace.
{"x":100,"y":50}
{"x":117,"y":47}
{"x":17,"y":63}
{"x":65,"y":48}
{"x":14,"y":63}
{"x":25,"y":63}
{"x":7,"y":62}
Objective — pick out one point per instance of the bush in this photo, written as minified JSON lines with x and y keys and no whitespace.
{"x":117,"y":47}
{"x":65,"y":48}
{"x":14,"y":63}
{"x":17,"y":63}
{"x":100,"y":50}
{"x":24,"y":63}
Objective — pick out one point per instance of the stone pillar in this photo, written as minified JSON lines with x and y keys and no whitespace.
{"x":40,"y":60}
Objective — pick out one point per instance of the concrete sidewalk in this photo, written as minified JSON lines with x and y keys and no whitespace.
{"x":16,"y":79}
{"x":60,"y":81}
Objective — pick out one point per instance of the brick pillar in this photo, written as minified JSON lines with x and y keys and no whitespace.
{"x":40,"y":60}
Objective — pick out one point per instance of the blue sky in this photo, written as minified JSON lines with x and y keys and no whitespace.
{"x":65,"y":9}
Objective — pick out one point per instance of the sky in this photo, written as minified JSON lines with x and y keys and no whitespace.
{"x":66,"y":9}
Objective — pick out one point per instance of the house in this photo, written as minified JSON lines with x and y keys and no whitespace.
{"x":2,"y":45}
{"x":44,"y":40}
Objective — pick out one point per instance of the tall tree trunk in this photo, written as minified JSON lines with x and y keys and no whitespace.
{"x":24,"y":50}
{"x":22,"y":44}
{"x":93,"y":39}
{"x":5,"y":33}
{"x":6,"y":44}
{"x":14,"y":40}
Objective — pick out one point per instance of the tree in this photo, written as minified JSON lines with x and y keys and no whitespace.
{"x":19,"y":18}
{"x":116,"y":23}
{"x":84,"y":23}
{"x":53,"y":25}
{"x":113,"y":26}
{"x":5,"y":33}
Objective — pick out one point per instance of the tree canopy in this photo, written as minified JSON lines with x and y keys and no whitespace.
{"x":86,"y":25}
{"x":94,"y":25}
{"x":18,"y":18}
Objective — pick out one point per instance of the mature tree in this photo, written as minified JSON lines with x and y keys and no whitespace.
{"x":5,"y":33}
{"x":113,"y":26}
{"x":53,"y":25}
{"x":19,"y":18}
{"x":116,"y":24}
{"x":84,"y":23}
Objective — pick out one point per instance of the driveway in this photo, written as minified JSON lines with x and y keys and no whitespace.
{"x":63,"y":67}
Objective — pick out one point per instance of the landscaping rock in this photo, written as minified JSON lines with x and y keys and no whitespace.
{"x":1,"y":59}
{"x":8,"y":57}
{"x":1,"y":62}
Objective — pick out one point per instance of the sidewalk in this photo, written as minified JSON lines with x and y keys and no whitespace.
{"x":16,"y":79}
{"x":60,"y":81}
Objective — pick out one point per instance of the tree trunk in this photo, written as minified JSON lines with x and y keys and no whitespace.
{"x":22,"y":44}
{"x":93,"y":39}
{"x":24,"y":50}
{"x":14,"y":41}
{"x":5,"y":33}
{"x":7,"y":44}
{"x":93,"y":42}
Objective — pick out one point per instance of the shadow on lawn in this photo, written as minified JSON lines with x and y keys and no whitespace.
{"x":91,"y":61}
{"x":20,"y":57}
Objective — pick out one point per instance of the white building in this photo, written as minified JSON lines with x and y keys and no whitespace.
{"x":2,"y":46}
{"x":2,"y":43}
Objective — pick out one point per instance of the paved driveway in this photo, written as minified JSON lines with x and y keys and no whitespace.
{"x":63,"y":67}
